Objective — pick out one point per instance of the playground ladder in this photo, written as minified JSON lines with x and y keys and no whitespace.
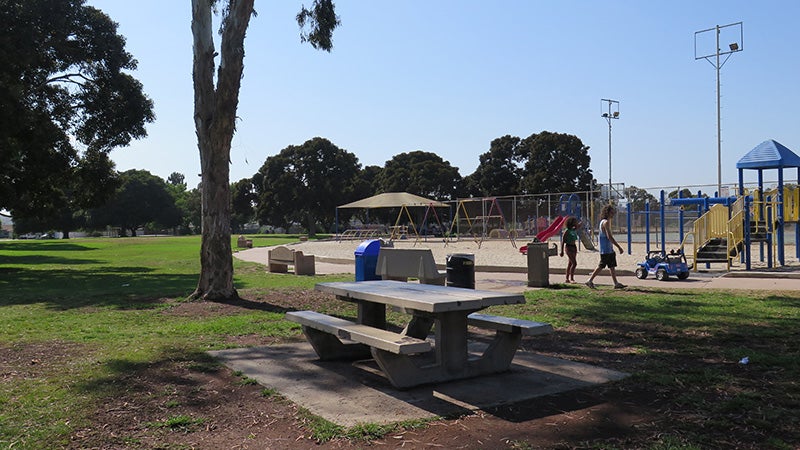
{"x":715,"y":230}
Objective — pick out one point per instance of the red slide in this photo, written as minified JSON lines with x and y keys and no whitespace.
{"x":553,"y":229}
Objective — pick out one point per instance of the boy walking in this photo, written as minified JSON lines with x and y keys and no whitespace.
{"x":608,"y":258}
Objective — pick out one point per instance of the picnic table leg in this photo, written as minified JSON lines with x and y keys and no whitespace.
{"x":419,"y":327}
{"x":500,"y":353}
{"x":451,"y":355}
{"x":401,"y":370}
{"x":451,"y":341}
{"x":329,"y":348}
{"x":452,"y":359}
{"x":372,"y":314}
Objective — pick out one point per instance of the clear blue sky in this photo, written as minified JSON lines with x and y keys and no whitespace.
{"x":449,"y":76}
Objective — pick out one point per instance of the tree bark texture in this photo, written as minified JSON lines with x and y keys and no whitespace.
{"x":215,"y":116}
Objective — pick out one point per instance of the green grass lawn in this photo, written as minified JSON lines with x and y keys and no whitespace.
{"x":101,"y":299}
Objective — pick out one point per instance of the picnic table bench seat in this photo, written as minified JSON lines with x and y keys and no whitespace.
{"x":509,"y":324}
{"x":280,"y":258}
{"x":363,"y":334}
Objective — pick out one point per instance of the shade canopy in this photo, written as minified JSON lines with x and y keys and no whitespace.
{"x":769,"y":154}
{"x":393,"y":200}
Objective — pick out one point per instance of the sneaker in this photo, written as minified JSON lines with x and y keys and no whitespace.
{"x":619,"y":286}
{"x":591,"y":285}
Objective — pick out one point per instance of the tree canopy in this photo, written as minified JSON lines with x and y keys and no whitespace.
{"x":305,"y":184}
{"x":499,"y":171}
{"x":421,"y":173}
{"x":243,"y":199}
{"x":555,"y":162}
{"x":638,"y":198}
{"x":141,"y":199}
{"x":66,"y":100}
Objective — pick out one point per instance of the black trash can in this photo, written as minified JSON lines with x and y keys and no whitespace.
{"x":461,"y":270}
{"x":367,"y":260}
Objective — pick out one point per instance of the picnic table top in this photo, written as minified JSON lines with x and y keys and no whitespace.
{"x":420,"y":297}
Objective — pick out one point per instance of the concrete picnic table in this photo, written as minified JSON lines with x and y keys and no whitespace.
{"x":408,"y":358}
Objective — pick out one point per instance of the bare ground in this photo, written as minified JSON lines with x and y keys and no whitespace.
{"x":217,"y":410}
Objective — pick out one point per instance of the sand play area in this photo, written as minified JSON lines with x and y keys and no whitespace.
{"x":502,"y":253}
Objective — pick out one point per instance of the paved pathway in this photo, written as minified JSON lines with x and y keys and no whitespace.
{"x":514,"y":279}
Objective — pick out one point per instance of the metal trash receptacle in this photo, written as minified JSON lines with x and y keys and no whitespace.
{"x":367,"y":260}
{"x":538,"y":265}
{"x":461,"y":270}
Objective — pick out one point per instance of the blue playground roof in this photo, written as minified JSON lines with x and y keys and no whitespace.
{"x":769,"y":155}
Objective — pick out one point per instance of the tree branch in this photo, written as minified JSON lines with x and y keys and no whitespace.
{"x":69,"y":78}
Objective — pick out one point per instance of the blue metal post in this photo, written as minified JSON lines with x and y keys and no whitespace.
{"x":747,"y":202}
{"x":629,"y":227}
{"x":680,"y":220}
{"x":663,"y":225}
{"x":647,"y":227}
{"x":769,"y":235}
{"x":779,"y":231}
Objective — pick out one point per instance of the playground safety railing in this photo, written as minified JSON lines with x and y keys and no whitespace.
{"x":765,"y":207}
{"x":736,"y":227}
{"x":715,"y":223}
{"x":711,"y":225}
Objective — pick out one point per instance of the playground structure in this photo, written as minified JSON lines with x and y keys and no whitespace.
{"x":729,"y":225}
{"x":709,"y":229}
{"x":569,"y":205}
{"x":480,"y":226}
{"x":726,"y":227}
{"x":484,"y":218}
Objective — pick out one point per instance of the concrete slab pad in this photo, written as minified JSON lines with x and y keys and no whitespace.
{"x":351,"y":393}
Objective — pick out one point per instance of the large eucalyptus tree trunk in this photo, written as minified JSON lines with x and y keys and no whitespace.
{"x":214,"y":116}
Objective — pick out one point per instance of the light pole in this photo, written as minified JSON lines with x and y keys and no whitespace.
{"x":610,"y":110}
{"x":734,"y":47}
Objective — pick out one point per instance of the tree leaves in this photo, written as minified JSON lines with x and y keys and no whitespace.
{"x":305,"y":184}
{"x":421,"y":173}
{"x":62,"y":83}
{"x":322,"y":20}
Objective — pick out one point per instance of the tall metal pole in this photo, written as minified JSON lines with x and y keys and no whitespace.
{"x":719,"y":123}
{"x":734,"y":47}
{"x":609,"y":159}
{"x":611,"y":113}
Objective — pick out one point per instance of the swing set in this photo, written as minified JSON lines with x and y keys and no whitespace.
{"x":399,"y":231}
{"x":482,"y":222}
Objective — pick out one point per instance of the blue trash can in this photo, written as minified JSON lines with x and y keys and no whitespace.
{"x":367,"y":260}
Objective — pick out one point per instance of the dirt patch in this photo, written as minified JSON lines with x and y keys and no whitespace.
{"x":35,"y":361}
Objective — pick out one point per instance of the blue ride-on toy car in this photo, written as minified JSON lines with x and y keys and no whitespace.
{"x":663,"y":266}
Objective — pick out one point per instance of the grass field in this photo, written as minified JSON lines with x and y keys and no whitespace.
{"x":93,"y":307}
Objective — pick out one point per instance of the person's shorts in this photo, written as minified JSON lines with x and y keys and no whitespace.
{"x":608,"y":260}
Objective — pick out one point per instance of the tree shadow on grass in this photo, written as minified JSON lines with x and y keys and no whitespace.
{"x":122,"y":287}
{"x":256,"y":306}
{"x":44,"y":246}
{"x":125,"y":376}
{"x":34,"y":260}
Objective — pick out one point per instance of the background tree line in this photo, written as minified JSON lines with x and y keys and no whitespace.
{"x":303,"y":185}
